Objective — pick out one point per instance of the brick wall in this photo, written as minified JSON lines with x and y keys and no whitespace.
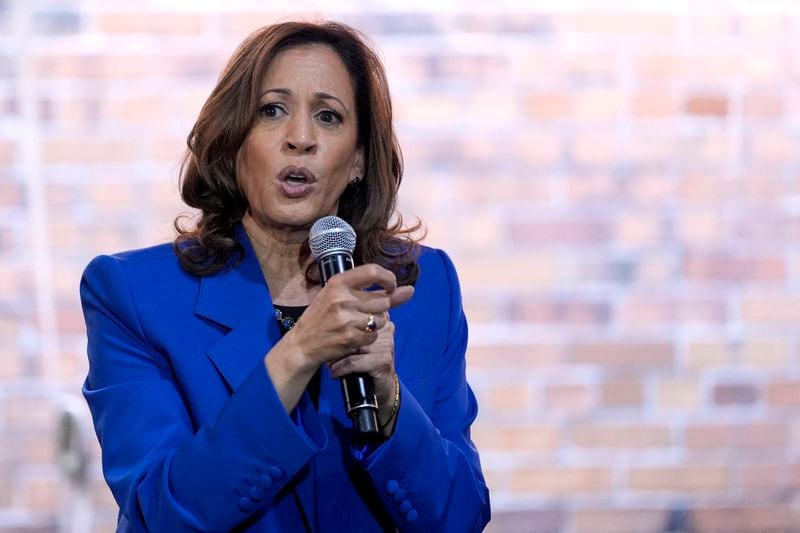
{"x":618,"y":183}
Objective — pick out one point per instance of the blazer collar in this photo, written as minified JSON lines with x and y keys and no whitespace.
{"x":229,"y":296}
{"x":238,"y":299}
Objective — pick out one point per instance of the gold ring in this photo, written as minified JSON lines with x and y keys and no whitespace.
{"x":371,"y":325}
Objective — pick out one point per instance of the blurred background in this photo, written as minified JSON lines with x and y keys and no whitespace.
{"x":618,"y":183}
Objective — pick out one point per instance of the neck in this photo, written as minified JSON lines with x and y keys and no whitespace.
{"x":284,"y":258}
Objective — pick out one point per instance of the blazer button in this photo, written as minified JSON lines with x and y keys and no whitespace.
{"x":399,"y":495}
{"x":246,"y":505}
{"x":275,"y":472}
{"x":257,"y":493}
{"x":405,"y":507}
{"x":412,"y":516}
{"x":392,"y":486}
{"x":265,"y":482}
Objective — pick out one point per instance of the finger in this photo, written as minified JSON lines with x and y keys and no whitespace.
{"x":370,"y":323}
{"x":375,"y":302}
{"x":401,"y":295}
{"x":369,"y":363}
{"x":365,"y":276}
{"x":379,"y":301}
{"x":344,"y":366}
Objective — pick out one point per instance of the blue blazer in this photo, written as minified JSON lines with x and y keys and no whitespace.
{"x":195,"y":438}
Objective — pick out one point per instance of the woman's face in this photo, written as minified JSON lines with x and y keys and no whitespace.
{"x":301,"y":151}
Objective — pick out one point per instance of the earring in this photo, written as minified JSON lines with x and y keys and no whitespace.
{"x":355,"y":181}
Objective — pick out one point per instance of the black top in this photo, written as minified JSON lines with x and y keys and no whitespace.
{"x":287,"y":316}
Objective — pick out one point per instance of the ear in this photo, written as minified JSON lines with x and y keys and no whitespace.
{"x":358,"y":163}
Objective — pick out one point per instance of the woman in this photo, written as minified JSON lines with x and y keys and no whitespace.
{"x":216,"y":405}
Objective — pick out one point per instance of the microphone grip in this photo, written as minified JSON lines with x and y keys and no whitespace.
{"x":358,"y":390}
{"x":360,"y":402}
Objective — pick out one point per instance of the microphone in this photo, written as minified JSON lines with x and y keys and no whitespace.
{"x":332,"y":241}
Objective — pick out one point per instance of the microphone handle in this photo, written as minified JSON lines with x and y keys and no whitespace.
{"x":358,"y":389}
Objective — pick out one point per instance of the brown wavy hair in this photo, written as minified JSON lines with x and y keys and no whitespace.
{"x":208,"y":172}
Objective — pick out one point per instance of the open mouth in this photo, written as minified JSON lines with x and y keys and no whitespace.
{"x":296,"y":182}
{"x":296,"y":176}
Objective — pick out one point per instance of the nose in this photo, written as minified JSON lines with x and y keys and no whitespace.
{"x":300,"y":136}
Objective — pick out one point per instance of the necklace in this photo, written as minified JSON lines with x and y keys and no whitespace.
{"x":286,"y":322}
{"x":287,"y":316}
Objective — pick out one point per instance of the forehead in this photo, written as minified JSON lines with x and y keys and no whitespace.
{"x":318,"y":65}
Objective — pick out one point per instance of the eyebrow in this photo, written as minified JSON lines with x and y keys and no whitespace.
{"x":319,"y":94}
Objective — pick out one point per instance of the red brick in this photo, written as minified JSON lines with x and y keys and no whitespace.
{"x":54,"y":67}
{"x":573,"y":399}
{"x":615,"y":520}
{"x":735,"y":436}
{"x":624,"y":355}
{"x":679,"y":393}
{"x":639,"y":229}
{"x":564,"y":231}
{"x":775,"y":477}
{"x":745,"y":519}
{"x":773,"y":147}
{"x":89,"y":151}
{"x":519,"y":270}
{"x":701,"y":227}
{"x":158,"y":23}
{"x":619,"y":436}
{"x":770,"y":309}
{"x":735,"y":394}
{"x":42,"y":493}
{"x":5,"y":493}
{"x":680,"y":478}
{"x":654,"y":102}
{"x":508,"y":398}
{"x":730,"y":268}
{"x":599,"y":104}
{"x":575,"y":313}
{"x":243,"y":22}
{"x":621,"y":393}
{"x":7,"y":153}
{"x":711,"y":105}
{"x":767,"y":104}
{"x":561,"y":481}
{"x":515,"y":357}
{"x":784,"y":393}
{"x":11,"y":366}
{"x":30,"y":448}
{"x":539,"y":520}
{"x":766,"y":352}
{"x":528,"y":438}
{"x":483,"y":191}
{"x":28,"y":413}
{"x":11,"y":195}
{"x":625,"y":23}
{"x":590,"y":188}
{"x":701,"y":355}
{"x":643,"y":309}
{"x":547,"y":105}
{"x":590,"y":149}
{"x":536,"y":148}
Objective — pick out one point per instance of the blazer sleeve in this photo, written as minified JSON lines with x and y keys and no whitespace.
{"x":165,"y":474}
{"x":428,"y":474}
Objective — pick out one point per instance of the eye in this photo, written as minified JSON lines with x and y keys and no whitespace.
{"x":328,"y":116}
{"x":270,"y":110}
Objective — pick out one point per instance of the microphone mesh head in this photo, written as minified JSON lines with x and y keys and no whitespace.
{"x":331,"y":234}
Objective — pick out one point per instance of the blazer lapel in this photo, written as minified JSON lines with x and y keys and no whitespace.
{"x":238,"y":299}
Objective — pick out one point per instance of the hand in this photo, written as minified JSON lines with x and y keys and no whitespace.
{"x":334,"y":325}
{"x":377,"y":360}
